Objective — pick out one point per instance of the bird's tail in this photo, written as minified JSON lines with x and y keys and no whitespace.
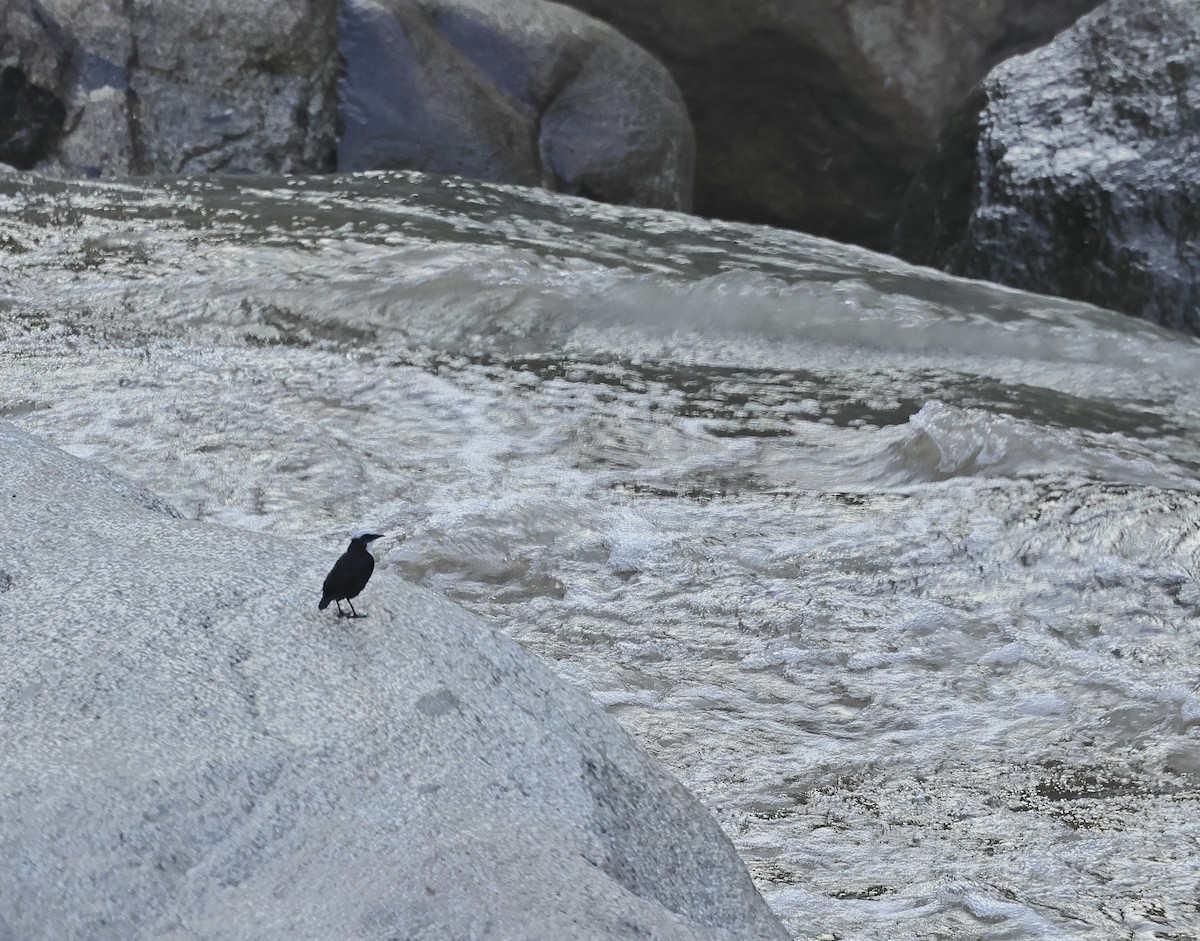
{"x":325,"y":599}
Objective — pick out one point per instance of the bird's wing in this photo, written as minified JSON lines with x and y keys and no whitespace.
{"x":338,"y":575}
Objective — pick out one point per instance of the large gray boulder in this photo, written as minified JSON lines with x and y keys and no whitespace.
{"x":815,"y":114}
{"x":527,"y":92}
{"x":1074,"y":170}
{"x":191,"y":750}
{"x":178,"y":88}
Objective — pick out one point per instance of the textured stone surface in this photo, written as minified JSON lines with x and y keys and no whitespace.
{"x":32,"y":40}
{"x":190,"y":750}
{"x":172,"y":88}
{"x":815,"y":114}
{"x":1074,"y":170}
{"x":37,"y":58}
{"x":231,"y":85}
{"x":524,"y":92}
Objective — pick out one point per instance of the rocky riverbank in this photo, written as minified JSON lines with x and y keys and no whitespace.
{"x":1069,"y":170}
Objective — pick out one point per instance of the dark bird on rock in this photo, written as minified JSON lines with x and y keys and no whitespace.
{"x":349,"y":575}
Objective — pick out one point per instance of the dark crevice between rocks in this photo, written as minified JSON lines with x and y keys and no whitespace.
{"x":138,"y":162}
{"x":31,"y":120}
{"x":797,"y":141}
{"x":568,"y":69}
{"x":938,"y":204}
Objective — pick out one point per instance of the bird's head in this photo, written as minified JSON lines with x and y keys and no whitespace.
{"x":364,"y":538}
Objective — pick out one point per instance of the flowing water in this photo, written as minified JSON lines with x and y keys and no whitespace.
{"x":895,"y":571}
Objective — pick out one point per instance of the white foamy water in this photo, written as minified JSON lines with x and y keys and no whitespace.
{"x":895,"y":571}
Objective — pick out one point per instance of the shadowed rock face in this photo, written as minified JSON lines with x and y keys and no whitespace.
{"x":1073,"y":170}
{"x":31,"y":119}
{"x":409,"y":101}
{"x":815,"y":115}
{"x":170,"y":88}
{"x":527,"y":92}
{"x":192,"y":750}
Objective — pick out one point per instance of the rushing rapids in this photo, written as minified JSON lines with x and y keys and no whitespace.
{"x":895,"y":571}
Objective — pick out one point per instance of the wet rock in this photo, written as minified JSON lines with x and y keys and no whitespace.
{"x":183,"y":88}
{"x":815,"y":115}
{"x":527,"y":93}
{"x":1074,"y":171}
{"x":192,"y":750}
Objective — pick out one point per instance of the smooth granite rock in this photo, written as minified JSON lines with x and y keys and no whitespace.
{"x":189,"y":749}
{"x":1074,"y":169}
{"x":527,"y":92}
{"x":410,"y":101}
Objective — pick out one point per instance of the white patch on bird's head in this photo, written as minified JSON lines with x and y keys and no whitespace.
{"x":364,"y":538}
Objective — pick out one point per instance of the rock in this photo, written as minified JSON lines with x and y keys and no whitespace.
{"x":192,"y":750}
{"x":409,"y":101}
{"x":1073,"y":170}
{"x":182,"y":88}
{"x":242,"y":86}
{"x":36,"y":56}
{"x":617,"y":131}
{"x":529,"y":92}
{"x":100,"y":143}
{"x":31,"y":119}
{"x":32,"y":40}
{"x":815,"y":114}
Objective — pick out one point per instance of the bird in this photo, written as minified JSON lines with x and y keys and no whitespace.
{"x":349,"y":574}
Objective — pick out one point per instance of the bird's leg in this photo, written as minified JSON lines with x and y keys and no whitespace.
{"x":341,"y":613}
{"x":353,"y":613}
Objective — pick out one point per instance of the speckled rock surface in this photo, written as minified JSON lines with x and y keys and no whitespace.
{"x":1074,"y":170}
{"x":191,"y":750}
{"x":167,"y":88}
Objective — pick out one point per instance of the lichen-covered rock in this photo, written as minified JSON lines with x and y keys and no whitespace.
{"x":191,"y":750}
{"x":179,"y":88}
{"x":815,"y":114}
{"x":1074,"y":169}
{"x":525,"y":92}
